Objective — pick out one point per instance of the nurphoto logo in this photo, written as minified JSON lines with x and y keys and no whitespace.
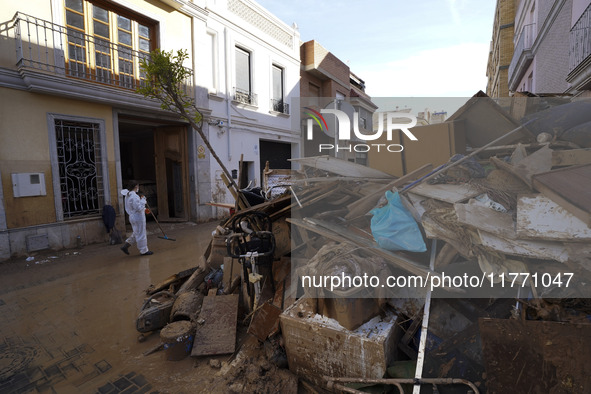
{"x":344,"y":127}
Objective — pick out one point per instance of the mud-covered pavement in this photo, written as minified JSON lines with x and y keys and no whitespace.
{"x":68,"y":321}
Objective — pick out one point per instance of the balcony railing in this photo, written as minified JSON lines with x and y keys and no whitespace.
{"x":279,"y":106}
{"x":580,"y":40}
{"x":522,"y":55}
{"x":46,"y":47}
{"x":245,"y":97}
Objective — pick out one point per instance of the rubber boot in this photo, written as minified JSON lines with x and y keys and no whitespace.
{"x":125,"y":248}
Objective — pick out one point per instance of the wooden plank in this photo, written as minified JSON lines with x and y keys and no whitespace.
{"x":571,"y":157}
{"x":541,"y":218}
{"x":536,"y":163}
{"x":264,"y":321}
{"x":195,"y":279}
{"x":365,"y":204}
{"x":416,"y":202}
{"x":217,"y":335}
{"x":570,"y":188}
{"x":445,"y":256}
{"x":434,"y":230}
{"x":524,"y":248}
{"x":447,"y":192}
{"x":579,"y":256}
{"x":342,"y":167}
{"x":508,"y":149}
{"x":232,"y":270}
{"x":486,"y":219}
{"x":342,"y":234}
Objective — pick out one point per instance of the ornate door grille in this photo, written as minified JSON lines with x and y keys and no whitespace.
{"x":79,"y":160}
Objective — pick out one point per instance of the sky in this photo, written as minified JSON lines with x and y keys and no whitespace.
{"x":401,"y":48}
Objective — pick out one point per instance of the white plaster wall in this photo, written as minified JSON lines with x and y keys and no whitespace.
{"x":244,"y":125}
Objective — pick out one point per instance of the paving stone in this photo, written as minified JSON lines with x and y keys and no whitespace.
{"x":52,"y":370}
{"x":103,"y":366}
{"x":145,"y":389}
{"x":131,"y":389}
{"x":139,"y":381}
{"x":73,"y":352}
{"x":122,"y":383}
{"x":107,"y":388}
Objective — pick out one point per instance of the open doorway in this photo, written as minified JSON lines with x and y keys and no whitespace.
{"x":276,"y":153}
{"x":155,"y":156}
{"x":136,"y":147}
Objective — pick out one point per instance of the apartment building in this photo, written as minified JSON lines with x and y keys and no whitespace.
{"x":328,"y":83}
{"x":501,"y":49}
{"x":540,"y":61}
{"x":579,"y":59}
{"x":74,"y":131}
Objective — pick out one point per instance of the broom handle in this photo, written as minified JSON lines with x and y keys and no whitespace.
{"x":150,"y":209}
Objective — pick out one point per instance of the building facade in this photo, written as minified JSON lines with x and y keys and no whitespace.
{"x":328,"y":83}
{"x":74,"y":131}
{"x":549,"y":46}
{"x":501,"y":49}
{"x":579,"y":60}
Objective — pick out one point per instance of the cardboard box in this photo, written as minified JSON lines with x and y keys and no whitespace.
{"x":349,"y":312}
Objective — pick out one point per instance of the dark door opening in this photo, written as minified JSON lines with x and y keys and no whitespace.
{"x":136,"y":148}
{"x":156,"y":157}
{"x":276,"y":153}
{"x":174,"y":180}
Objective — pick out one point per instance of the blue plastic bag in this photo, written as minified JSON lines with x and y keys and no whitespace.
{"x":394,"y":228}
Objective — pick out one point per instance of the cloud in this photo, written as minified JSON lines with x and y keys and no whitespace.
{"x":454,"y":71}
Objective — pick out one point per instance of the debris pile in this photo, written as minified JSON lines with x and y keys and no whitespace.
{"x":510,"y":217}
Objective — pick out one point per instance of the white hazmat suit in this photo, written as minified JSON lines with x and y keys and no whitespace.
{"x":136,"y":209}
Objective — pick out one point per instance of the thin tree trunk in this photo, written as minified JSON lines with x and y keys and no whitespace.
{"x":205,"y":140}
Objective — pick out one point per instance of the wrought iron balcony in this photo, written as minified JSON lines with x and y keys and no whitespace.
{"x":580,"y":43}
{"x":522,"y":54}
{"x":245,"y":97}
{"x":45,"y":47}
{"x":279,"y":106}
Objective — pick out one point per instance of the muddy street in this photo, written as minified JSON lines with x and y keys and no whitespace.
{"x":69,"y":318}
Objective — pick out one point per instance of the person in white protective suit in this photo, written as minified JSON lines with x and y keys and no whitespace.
{"x":135,"y":206}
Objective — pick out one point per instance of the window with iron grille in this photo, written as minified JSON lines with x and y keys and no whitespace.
{"x":80,"y":167}
{"x":277,"y":101}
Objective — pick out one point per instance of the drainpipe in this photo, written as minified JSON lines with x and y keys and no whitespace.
{"x":228,"y":91}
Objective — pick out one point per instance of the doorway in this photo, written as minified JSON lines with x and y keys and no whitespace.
{"x":155,"y":156}
{"x":171,"y":163}
{"x":276,"y":153}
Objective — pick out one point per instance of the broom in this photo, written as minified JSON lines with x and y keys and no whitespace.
{"x":164,"y":236}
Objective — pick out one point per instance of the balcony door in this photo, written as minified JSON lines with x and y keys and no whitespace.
{"x":105,"y":43}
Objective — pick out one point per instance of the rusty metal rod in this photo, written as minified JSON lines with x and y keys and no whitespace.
{"x":338,"y":386}
{"x":398,"y":381}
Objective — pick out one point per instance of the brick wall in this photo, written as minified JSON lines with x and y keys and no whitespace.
{"x":552,"y":54}
{"x":502,"y":47}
